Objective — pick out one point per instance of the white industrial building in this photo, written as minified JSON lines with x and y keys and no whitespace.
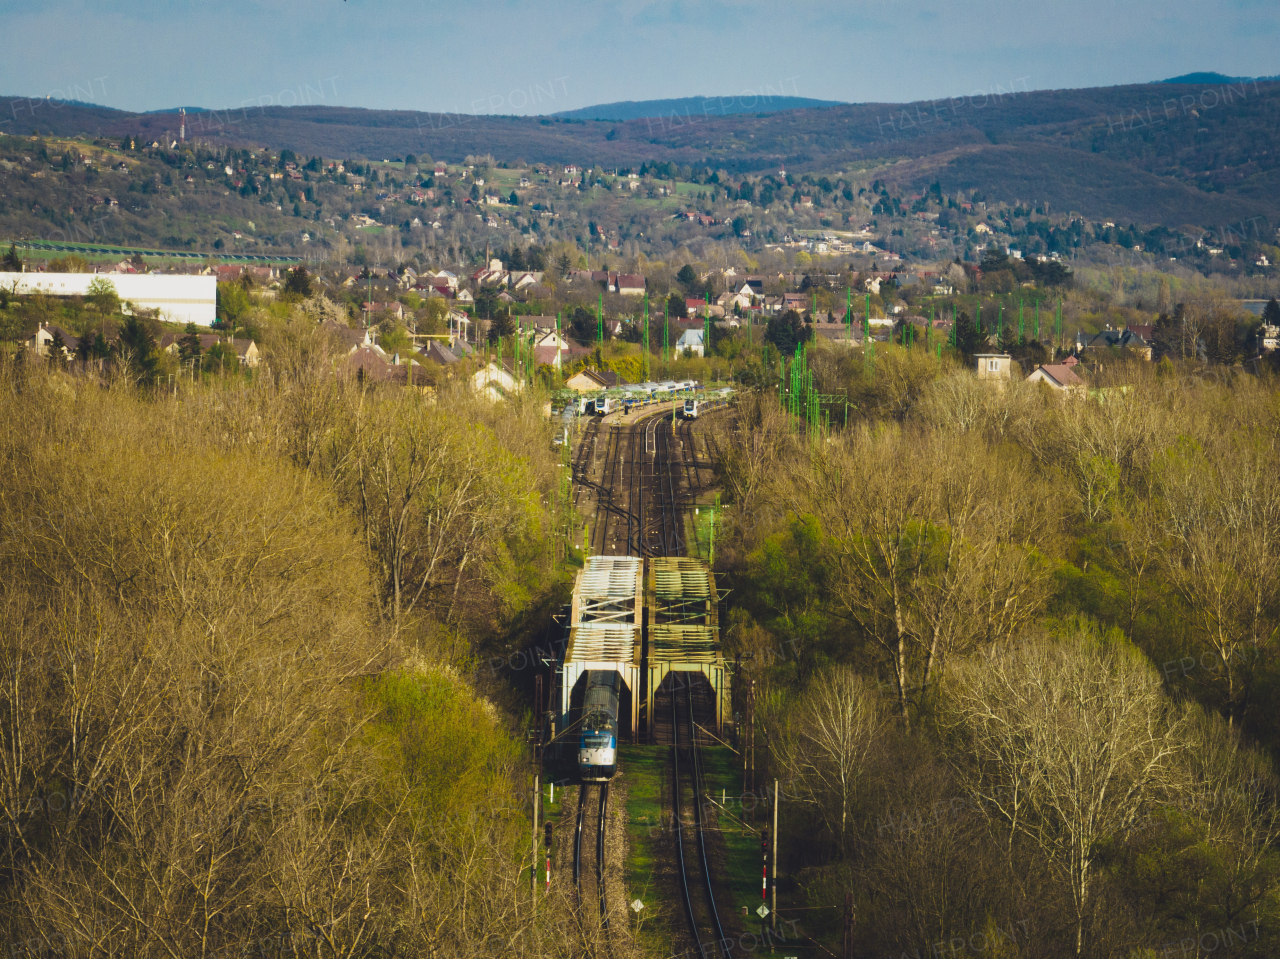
{"x":180,"y":299}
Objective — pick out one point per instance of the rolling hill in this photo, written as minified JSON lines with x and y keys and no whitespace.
{"x":1154,"y":153}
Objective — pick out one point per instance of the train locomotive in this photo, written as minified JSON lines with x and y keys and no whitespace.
{"x":598,"y":743}
{"x":691,"y":409}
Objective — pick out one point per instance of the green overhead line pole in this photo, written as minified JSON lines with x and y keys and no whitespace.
{"x":706,"y":326}
{"x":646,"y":337}
{"x":600,"y":319}
{"x":666,"y":333}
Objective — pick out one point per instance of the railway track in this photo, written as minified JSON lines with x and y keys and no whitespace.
{"x":648,"y":470}
{"x":602,"y":818}
{"x":645,"y":475}
{"x":666,"y":472}
{"x":700,"y":907}
{"x":582,"y":461}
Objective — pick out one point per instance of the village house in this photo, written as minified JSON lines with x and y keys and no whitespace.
{"x":591,"y":381}
{"x":46,"y":335}
{"x":393,"y":308}
{"x":1059,"y":377}
{"x":1126,"y":339}
{"x":630,"y":284}
{"x":495,"y":381}
{"x":436,"y":353}
{"x":351,"y":339}
{"x":994,"y":368}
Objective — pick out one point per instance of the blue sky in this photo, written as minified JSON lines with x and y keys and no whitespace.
{"x":522,"y":56}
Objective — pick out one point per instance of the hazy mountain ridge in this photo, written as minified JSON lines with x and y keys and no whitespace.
{"x":1196,"y":154}
{"x":695,"y":106}
{"x":1212,"y":77}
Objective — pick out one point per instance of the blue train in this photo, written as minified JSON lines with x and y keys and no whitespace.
{"x":598,"y":745}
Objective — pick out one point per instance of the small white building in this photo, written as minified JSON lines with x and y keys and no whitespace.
{"x":994,"y":367}
{"x":495,"y":381}
{"x":691,"y":340}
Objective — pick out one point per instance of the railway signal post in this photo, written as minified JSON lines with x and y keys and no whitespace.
{"x":549,"y":827}
{"x":764,"y":866}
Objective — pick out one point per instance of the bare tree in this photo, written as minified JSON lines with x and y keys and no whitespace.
{"x":1221,"y":551}
{"x":930,"y":544}
{"x":1068,"y":742}
{"x":824,"y":749}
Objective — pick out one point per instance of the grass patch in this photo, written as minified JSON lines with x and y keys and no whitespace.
{"x":722,"y":771}
{"x":698,"y":530}
{"x":645,"y":771}
{"x":647,"y":872}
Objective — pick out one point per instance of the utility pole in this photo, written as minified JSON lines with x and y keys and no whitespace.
{"x":533,"y":864}
{"x":537,"y":798}
{"x":850,"y":920}
{"x":748,"y":738}
{"x":600,"y":319}
{"x":773,"y":905}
